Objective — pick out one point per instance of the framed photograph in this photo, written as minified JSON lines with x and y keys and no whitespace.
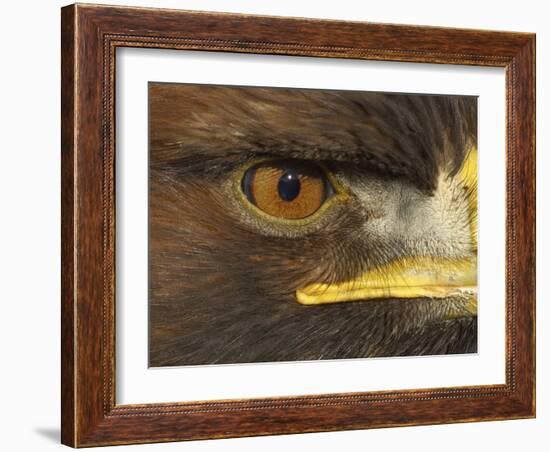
{"x":280,"y":225}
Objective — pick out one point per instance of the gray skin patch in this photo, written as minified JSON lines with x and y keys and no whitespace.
{"x":415,"y":222}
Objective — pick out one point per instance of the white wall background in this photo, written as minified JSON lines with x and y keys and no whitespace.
{"x":30,"y":229}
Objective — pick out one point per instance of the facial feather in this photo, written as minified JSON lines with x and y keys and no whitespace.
{"x":414,"y":136}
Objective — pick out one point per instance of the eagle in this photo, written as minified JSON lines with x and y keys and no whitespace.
{"x":290,"y":224}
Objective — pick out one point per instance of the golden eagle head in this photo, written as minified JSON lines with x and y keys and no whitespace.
{"x":294,"y":224}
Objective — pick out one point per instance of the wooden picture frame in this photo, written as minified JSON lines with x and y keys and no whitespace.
{"x":90,"y":36}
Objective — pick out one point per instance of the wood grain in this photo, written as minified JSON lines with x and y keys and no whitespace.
{"x":68,"y":297}
{"x":90,"y":36}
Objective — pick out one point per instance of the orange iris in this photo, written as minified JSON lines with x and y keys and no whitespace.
{"x":290,"y":189}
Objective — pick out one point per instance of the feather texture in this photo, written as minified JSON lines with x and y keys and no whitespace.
{"x":222,"y":283}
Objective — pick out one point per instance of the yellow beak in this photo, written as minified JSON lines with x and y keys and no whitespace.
{"x":407,"y":278}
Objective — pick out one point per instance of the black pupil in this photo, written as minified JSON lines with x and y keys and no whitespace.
{"x":289,"y":186}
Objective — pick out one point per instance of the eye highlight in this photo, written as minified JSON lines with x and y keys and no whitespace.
{"x":289,"y":189}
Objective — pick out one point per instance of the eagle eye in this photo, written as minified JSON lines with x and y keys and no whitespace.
{"x":288,"y":189}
